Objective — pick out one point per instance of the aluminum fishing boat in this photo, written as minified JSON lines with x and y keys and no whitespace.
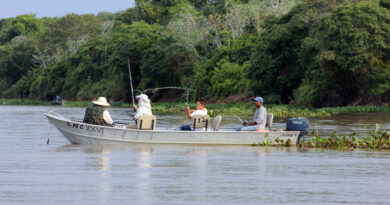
{"x":82,"y":133}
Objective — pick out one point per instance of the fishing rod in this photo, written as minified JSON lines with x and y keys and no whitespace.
{"x":239,"y":118}
{"x":170,"y":87}
{"x":131,"y":82}
{"x":242,"y":121}
{"x":163,"y":88}
{"x":187,"y":90}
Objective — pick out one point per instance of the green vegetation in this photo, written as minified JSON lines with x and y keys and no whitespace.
{"x":245,"y":109}
{"x":242,"y":109}
{"x":346,"y":109}
{"x":378,"y":140}
{"x":317,"y":53}
{"x":23,"y":102}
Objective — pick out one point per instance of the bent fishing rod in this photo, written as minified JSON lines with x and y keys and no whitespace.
{"x":187,"y":90}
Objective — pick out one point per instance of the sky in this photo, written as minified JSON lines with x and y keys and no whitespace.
{"x":52,"y":8}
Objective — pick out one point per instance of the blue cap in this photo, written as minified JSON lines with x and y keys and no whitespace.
{"x":260,"y":99}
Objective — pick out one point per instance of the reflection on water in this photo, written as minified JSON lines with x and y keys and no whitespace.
{"x":32,"y":172}
{"x":144,"y":160}
{"x":105,"y":166}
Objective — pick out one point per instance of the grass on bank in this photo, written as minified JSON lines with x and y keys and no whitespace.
{"x":364,"y":109}
{"x":245,"y":109}
{"x":4,"y":101}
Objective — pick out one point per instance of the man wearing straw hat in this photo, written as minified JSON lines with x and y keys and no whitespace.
{"x":97,"y":113}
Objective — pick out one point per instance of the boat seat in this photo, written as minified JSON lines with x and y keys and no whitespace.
{"x":216,"y":123}
{"x":270,"y":119}
{"x":146,"y":122}
{"x":201,"y":121}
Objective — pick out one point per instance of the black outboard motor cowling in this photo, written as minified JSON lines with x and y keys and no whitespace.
{"x":298,"y":124}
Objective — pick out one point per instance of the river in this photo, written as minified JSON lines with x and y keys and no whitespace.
{"x":34,"y":172}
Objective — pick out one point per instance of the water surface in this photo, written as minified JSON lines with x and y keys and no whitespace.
{"x":34,"y":172}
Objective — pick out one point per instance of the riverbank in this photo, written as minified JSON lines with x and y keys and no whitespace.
{"x":222,"y":109}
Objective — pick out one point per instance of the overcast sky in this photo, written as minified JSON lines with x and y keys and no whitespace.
{"x":51,"y":8}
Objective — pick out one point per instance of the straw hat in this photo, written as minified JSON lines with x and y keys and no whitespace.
{"x":101,"y":101}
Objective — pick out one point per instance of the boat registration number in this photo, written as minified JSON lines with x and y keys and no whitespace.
{"x":86,"y":128}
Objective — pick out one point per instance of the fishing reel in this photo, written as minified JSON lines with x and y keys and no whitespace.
{"x":245,"y":123}
{"x":184,"y":108}
{"x":132,"y":114}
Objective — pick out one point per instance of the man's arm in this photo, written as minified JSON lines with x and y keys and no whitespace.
{"x":188,"y":112}
{"x":107,"y":117}
{"x":137,"y":115}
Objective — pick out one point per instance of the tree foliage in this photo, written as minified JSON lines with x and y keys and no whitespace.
{"x":308,"y":52}
{"x":345,"y":56}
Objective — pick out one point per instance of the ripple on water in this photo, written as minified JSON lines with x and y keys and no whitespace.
{"x":32,"y":172}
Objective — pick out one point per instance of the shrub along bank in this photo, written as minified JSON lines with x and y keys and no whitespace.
{"x":312,"y":53}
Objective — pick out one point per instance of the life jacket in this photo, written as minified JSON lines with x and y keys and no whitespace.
{"x":94,"y":115}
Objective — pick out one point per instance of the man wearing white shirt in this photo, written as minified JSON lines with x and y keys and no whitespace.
{"x":200,"y":110}
{"x":144,"y":108}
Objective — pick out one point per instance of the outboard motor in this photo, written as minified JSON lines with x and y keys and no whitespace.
{"x":298,"y":124}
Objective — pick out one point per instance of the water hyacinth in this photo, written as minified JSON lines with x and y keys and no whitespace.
{"x":278,"y":142}
{"x":244,"y":109}
{"x":378,"y":140}
{"x":366,"y":108}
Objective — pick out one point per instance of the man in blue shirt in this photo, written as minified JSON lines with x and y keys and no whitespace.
{"x":259,"y":119}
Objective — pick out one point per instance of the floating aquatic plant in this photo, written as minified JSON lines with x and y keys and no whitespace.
{"x":378,"y":140}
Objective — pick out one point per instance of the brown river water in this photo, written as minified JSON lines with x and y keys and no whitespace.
{"x":34,"y":172}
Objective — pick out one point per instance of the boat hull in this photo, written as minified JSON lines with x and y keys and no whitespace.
{"x":81,"y":133}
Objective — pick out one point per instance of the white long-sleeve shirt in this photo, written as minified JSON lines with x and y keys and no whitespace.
{"x":144,"y":106}
{"x":142,"y":111}
{"x":107,"y":117}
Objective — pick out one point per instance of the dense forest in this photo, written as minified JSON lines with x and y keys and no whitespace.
{"x":306,"y":52}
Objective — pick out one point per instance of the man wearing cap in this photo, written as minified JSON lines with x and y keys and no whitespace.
{"x":97,"y":113}
{"x":260,"y":117}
